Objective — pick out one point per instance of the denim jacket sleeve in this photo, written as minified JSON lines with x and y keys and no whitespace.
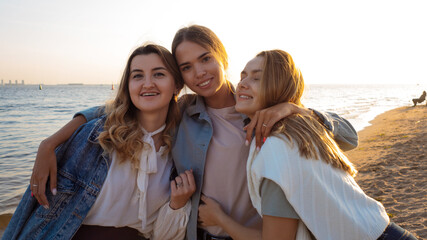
{"x":91,"y":113}
{"x":61,"y":220}
{"x":342,"y":130}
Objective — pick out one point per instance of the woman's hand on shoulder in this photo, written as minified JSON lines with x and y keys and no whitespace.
{"x":45,"y":165}
{"x":181,"y":189}
{"x":264,"y":120}
{"x":44,"y":168}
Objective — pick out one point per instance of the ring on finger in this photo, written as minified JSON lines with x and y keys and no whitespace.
{"x":35,"y":185}
{"x":264,"y":125}
{"x":179,"y":185}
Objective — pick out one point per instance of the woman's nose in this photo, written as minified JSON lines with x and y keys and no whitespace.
{"x":242,"y":84}
{"x":148,"y":82}
{"x":200,"y":71}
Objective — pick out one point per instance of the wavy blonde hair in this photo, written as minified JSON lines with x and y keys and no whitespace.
{"x":122,"y":132}
{"x":281,"y":82}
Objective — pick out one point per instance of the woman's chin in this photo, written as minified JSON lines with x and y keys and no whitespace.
{"x":244,"y":110}
{"x":239,"y":108}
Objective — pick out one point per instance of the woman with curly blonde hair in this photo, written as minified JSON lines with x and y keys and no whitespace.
{"x":114,"y":172}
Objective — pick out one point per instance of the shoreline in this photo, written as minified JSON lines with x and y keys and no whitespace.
{"x":392,"y":159}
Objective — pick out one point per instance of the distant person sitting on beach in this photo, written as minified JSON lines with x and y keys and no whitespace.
{"x":113,"y":178}
{"x":420,"y":99}
{"x":300,"y":181}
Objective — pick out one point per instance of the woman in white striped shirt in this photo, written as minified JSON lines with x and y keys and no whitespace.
{"x":300,"y":181}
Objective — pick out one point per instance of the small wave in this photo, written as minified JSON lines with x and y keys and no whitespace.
{"x":49,"y":107}
{"x":63,"y":111}
{"x":10,"y":122}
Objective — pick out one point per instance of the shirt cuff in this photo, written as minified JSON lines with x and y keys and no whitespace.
{"x":186,"y":209}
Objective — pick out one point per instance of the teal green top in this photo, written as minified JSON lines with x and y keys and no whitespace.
{"x":274,"y":202}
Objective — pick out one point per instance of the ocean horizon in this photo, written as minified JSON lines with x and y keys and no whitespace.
{"x":29,"y":115}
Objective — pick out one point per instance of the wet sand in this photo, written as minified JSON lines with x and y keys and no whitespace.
{"x":392,"y":163}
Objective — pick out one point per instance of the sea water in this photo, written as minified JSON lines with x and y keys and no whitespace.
{"x":29,"y":115}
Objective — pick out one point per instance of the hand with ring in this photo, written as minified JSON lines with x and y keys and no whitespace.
{"x":33,"y":185}
{"x":181,"y":189}
{"x":44,"y":168}
{"x":264,"y":120}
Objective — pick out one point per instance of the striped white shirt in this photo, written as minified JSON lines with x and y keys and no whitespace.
{"x":328,"y":200}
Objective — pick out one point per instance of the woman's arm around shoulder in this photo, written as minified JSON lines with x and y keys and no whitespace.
{"x":45,"y":164}
{"x":264,"y":120}
{"x":344,"y":133}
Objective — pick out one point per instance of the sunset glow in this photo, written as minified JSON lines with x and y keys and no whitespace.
{"x":338,"y":42}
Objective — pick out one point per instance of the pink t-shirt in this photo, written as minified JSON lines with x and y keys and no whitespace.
{"x":225,"y":169}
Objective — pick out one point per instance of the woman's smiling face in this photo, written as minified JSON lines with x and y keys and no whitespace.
{"x":151,"y":85}
{"x":201,"y":70}
{"x":248,"y":99}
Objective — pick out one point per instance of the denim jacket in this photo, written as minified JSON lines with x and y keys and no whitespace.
{"x":195,"y":132}
{"x":82,"y":169}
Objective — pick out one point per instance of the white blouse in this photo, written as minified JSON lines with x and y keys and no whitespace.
{"x":139,"y":198}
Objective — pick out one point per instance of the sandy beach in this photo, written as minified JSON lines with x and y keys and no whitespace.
{"x":392,"y":162}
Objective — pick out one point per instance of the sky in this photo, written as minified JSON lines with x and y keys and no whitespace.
{"x":332,"y":42}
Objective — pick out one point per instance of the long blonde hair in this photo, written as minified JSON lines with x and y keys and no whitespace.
{"x":122,"y":132}
{"x":282,"y":82}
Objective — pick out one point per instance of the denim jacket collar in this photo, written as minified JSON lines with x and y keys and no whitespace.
{"x":199,"y":107}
